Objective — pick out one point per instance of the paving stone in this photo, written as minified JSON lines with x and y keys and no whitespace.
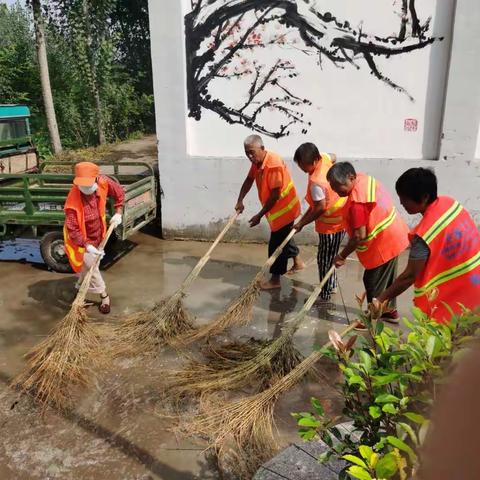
{"x":300,"y":462}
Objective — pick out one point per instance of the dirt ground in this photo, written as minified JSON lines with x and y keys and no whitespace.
{"x":115,"y":430}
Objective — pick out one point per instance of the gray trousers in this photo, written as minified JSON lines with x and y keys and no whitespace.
{"x":377,"y":280}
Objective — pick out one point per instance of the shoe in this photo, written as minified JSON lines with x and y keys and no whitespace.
{"x":104,"y":307}
{"x":390,"y":317}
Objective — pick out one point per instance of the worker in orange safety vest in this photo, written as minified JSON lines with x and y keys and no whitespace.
{"x":444,"y":262}
{"x":325,"y":209}
{"x":280,"y":204}
{"x":85,"y":223}
{"x":376,"y":231}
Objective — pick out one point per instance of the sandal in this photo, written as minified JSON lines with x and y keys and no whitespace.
{"x":104,"y":307}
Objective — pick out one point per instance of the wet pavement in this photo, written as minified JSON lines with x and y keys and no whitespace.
{"x":115,"y":431}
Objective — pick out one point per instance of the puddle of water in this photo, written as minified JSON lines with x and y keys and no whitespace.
{"x":21,"y":249}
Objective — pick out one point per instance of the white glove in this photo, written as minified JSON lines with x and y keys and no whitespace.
{"x":95,"y":251}
{"x":116,"y":220}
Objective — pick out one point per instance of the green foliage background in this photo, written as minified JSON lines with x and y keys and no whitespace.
{"x":121,"y":55}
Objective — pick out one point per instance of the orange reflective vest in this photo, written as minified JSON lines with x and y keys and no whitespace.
{"x":332,"y":220}
{"x":387,"y":233}
{"x":74,"y":202}
{"x":287,"y":208}
{"x":452,"y":273}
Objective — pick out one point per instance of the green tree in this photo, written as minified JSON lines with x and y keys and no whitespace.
{"x":40,"y":43}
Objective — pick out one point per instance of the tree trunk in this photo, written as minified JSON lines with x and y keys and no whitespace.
{"x":94,"y":83}
{"x":45,"y":76}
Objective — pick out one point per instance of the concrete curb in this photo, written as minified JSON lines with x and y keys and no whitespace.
{"x":299,"y":461}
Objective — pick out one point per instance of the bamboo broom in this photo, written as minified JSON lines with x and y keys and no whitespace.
{"x":239,"y":312}
{"x":250,"y":421}
{"x":200,"y":378}
{"x":65,"y":358}
{"x":146,"y":330}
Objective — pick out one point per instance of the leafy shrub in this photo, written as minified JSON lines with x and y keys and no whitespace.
{"x":390,"y":380}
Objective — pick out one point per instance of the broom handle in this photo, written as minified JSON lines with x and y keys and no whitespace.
{"x":82,"y":292}
{"x":289,"y":380}
{"x":310,"y":301}
{"x":275,"y":254}
{"x":201,"y":263}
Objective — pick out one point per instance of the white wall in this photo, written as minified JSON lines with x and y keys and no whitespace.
{"x":352,"y":111}
{"x":354,"y":114}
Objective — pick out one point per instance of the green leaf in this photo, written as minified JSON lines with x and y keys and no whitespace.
{"x":415,"y":417}
{"x":325,"y":456}
{"x":404,"y":401}
{"x":386,"y":466}
{"x":326,"y":438}
{"x":374,"y":411}
{"x":409,"y":431}
{"x":309,"y":422}
{"x":387,"y":398}
{"x":418,"y":314}
{"x":359,"y":472}
{"x":356,"y":380}
{"x":381,"y":444}
{"x":418,"y":368}
{"x":390,"y":408}
{"x":433,"y":346}
{"x":366,"y":360}
{"x":380,"y":380}
{"x":317,"y":406}
{"x":401,"y":445}
{"x":307,"y":434}
{"x":366,"y":452}
{"x":355,"y":460}
{"x":379,"y":328}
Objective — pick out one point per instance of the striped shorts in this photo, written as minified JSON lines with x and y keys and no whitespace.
{"x":328,"y":247}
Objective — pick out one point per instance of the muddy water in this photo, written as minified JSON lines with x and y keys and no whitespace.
{"x":118,"y":429}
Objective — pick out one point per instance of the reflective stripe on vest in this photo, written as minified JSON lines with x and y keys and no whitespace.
{"x":327,"y":215}
{"x":371,"y":190}
{"x":287,"y":189}
{"x":383,"y":225}
{"x":72,"y":252}
{"x":273,"y":216}
{"x":449,"y":274}
{"x":442,"y":222}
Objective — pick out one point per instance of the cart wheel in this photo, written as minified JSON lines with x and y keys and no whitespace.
{"x":53,"y":252}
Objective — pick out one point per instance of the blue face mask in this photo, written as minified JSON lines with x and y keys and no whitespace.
{"x":89,"y":190}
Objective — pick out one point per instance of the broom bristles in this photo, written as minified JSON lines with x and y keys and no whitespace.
{"x":238,"y":313}
{"x":199,"y":377}
{"x":252,"y":415}
{"x":62,"y":361}
{"x":148,"y":330}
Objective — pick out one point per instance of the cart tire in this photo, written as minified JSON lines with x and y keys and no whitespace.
{"x":52,"y":248}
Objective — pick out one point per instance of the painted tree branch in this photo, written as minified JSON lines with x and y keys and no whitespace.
{"x":323,"y":33}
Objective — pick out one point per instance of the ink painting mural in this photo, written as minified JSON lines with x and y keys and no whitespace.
{"x":351,"y":76}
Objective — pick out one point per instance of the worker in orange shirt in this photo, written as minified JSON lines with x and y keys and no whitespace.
{"x":325,"y":209}
{"x":444,"y":261}
{"x":280,"y":204}
{"x":85,"y":224}
{"x":377,"y":232}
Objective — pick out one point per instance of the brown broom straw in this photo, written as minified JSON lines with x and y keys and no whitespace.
{"x":64,"y":359}
{"x":199,"y":377}
{"x":239,"y":312}
{"x":167,"y":319}
{"x":249,"y":419}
